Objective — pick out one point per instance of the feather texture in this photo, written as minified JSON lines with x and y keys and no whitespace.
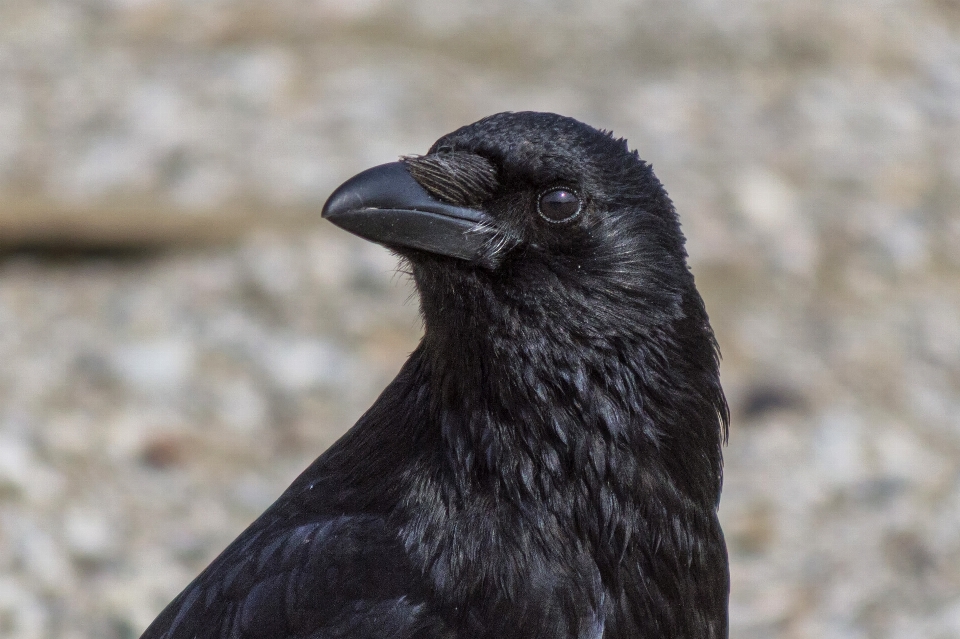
{"x":548,"y":461}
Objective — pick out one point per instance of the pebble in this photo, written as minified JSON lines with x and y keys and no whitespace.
{"x":88,"y":533}
{"x":772,"y":208}
{"x":22,"y":614}
{"x":155,"y":365}
{"x":301,"y":364}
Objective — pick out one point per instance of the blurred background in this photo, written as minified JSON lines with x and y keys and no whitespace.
{"x":180,"y":334}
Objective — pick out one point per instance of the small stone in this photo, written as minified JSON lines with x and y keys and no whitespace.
{"x":43,"y":557}
{"x":16,"y":462}
{"x":23,"y":475}
{"x":907,"y":554}
{"x":762,"y":399}
{"x":753,"y":531}
{"x":771,"y":206}
{"x":838,"y":449}
{"x":22,"y":615}
{"x":157,"y":365}
{"x":300,"y":364}
{"x":89,"y":534}
{"x":242,"y":407}
{"x":163,"y":452}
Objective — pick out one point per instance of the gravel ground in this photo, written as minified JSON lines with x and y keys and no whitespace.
{"x":156,"y":399}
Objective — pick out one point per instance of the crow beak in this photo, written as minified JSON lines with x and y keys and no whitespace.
{"x":386,"y":205}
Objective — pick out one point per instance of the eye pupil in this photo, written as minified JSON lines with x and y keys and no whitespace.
{"x":559,"y":205}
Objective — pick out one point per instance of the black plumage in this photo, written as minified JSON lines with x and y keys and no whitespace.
{"x":547,"y":462}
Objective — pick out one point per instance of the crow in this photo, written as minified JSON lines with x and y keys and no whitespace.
{"x":547,"y":463}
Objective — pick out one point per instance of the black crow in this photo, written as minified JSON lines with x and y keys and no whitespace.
{"x":547,"y":463}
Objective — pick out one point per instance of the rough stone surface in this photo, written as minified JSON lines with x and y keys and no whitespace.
{"x":153,"y":403}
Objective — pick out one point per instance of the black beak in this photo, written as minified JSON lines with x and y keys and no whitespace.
{"x":386,"y":205}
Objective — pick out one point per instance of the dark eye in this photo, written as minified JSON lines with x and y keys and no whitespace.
{"x":559,"y":205}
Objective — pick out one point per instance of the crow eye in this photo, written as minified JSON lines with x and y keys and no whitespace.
{"x":559,"y":205}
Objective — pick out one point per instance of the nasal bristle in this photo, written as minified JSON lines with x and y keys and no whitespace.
{"x":465,"y":179}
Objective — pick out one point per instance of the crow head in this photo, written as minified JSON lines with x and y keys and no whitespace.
{"x":527,"y":204}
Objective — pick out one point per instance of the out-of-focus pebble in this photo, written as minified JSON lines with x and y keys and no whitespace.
{"x":89,"y":534}
{"x":22,"y":613}
{"x":160,"y":364}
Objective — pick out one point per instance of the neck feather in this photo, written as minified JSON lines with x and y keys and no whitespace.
{"x":530,"y":397}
